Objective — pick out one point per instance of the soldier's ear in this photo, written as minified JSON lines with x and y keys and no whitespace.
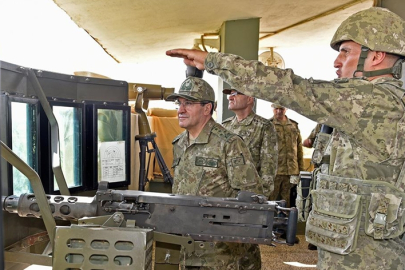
{"x":377,"y":57}
{"x":207,"y":109}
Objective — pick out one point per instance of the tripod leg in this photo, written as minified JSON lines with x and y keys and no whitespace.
{"x":142,"y":163}
{"x":162,"y":165}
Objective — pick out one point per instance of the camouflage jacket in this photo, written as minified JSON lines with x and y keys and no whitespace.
{"x":368,"y":141}
{"x":260,"y":136}
{"x":290,"y":152}
{"x":217,"y":164}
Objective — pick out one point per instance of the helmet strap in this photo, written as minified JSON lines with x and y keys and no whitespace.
{"x":396,"y":70}
{"x":362,"y":59}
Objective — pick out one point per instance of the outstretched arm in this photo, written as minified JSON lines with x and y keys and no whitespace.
{"x":195,"y":58}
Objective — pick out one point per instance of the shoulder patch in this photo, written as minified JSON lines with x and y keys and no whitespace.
{"x":262,"y":120}
{"x":222,"y":132}
{"x":238,"y":161}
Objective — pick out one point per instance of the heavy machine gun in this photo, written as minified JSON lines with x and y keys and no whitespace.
{"x":248,"y":218}
{"x":116,"y":227}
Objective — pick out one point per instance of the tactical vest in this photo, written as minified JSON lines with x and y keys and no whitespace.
{"x":321,"y":160}
{"x":344,"y":206}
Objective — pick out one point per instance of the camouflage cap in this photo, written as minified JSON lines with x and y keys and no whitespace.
{"x":228,"y":91}
{"x":276,"y":106}
{"x":375,"y":28}
{"x":196,"y":89}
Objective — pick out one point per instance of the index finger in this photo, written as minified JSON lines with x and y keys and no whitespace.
{"x":181,"y":53}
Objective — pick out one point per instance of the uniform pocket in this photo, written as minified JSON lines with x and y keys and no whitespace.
{"x":322,"y":141}
{"x":386,"y":216}
{"x":303,"y":201}
{"x":333,"y":223}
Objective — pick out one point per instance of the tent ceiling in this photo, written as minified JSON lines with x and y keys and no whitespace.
{"x":142,"y":30}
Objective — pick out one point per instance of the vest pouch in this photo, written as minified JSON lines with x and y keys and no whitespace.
{"x":385,"y":216}
{"x":322,"y":141}
{"x":303,"y":200}
{"x":333,"y":224}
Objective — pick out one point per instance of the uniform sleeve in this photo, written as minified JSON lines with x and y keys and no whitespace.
{"x":241,"y":170}
{"x":268,"y":158}
{"x":355,"y":106}
{"x":300,"y":152}
{"x":176,"y":158}
{"x":314,"y":99}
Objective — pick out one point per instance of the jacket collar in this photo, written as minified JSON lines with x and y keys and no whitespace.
{"x":389,"y":80}
{"x":202,"y":138}
{"x":245,"y":122}
{"x":276,"y":122}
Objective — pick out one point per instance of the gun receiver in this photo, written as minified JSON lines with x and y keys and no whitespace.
{"x":249,"y":218}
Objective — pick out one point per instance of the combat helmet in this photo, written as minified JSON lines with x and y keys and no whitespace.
{"x":376,"y":29}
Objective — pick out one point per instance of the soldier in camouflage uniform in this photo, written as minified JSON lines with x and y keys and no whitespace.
{"x":357,"y":219}
{"x":258,"y":133}
{"x":208,"y":160}
{"x":290,"y":155}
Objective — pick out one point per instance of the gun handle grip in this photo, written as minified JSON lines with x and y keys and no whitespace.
{"x":292,"y":226}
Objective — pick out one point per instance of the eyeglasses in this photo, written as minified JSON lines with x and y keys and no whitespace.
{"x":235,"y":94}
{"x":187,"y":104}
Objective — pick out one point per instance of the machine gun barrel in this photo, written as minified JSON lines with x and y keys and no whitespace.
{"x":62,"y":207}
{"x":248,"y":218}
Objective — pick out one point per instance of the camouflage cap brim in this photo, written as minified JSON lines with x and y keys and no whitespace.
{"x":276,"y":106}
{"x":229,"y":90}
{"x":173,"y":97}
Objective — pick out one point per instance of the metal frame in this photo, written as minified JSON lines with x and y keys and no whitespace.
{"x":85,"y":185}
{"x":50,"y":87}
{"x":6,"y":136}
{"x":91,"y":141}
{"x":1,"y":192}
